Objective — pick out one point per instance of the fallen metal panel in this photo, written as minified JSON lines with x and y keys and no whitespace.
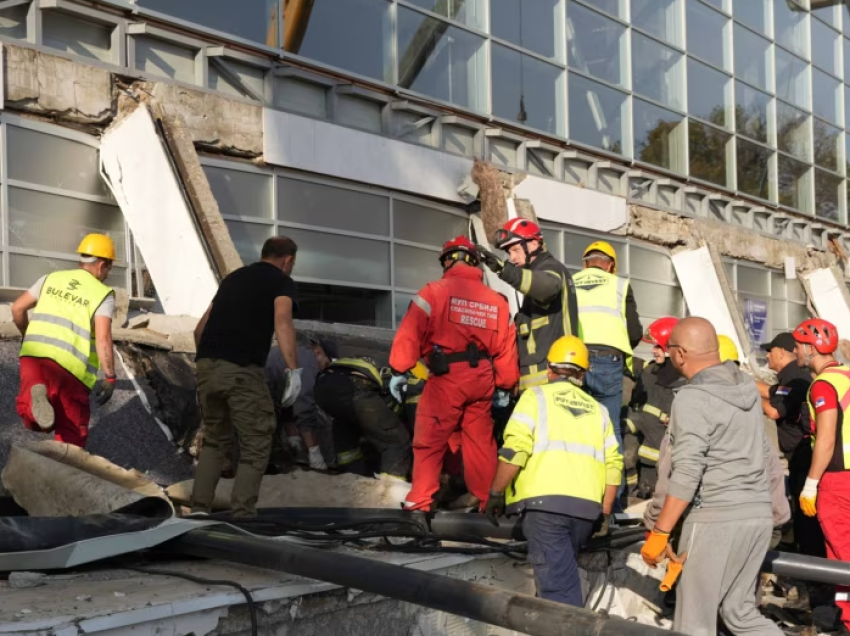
{"x":829,"y":297}
{"x":135,"y":165}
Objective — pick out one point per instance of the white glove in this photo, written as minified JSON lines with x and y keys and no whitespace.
{"x":501,"y":399}
{"x":396,"y":384}
{"x":293,"y":387}
{"x":810,"y":490}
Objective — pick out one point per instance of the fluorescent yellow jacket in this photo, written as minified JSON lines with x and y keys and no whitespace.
{"x":839,"y":377}
{"x":61,"y":327}
{"x":602,"y":309}
{"x":564,"y":442}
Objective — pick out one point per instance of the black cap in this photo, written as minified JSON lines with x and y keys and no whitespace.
{"x":328,"y":346}
{"x":783,"y":341}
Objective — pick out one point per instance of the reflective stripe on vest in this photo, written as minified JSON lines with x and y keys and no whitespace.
{"x":839,"y":378}
{"x":602,"y":308}
{"x":534,"y":378}
{"x":61,"y":325}
{"x":543,"y":444}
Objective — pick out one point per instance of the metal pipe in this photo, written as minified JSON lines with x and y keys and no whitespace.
{"x":520,"y":612}
{"x":808,"y":568}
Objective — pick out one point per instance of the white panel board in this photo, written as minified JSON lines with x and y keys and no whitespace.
{"x":136,"y":167}
{"x":493,"y":281}
{"x":703,"y":293}
{"x":829,"y":300}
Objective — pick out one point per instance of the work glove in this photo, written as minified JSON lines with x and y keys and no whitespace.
{"x":492,"y":261}
{"x":103,"y":390}
{"x":397,"y":383}
{"x":501,"y":399}
{"x":602,"y":526}
{"x":655,"y":548}
{"x":495,"y":507}
{"x":293,"y":387}
{"x":809,"y":497}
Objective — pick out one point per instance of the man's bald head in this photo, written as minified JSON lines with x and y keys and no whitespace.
{"x":693,"y":346}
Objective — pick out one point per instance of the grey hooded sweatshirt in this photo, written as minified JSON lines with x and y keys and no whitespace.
{"x":719,"y":447}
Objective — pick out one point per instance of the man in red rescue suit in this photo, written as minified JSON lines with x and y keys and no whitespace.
{"x":549,"y":307}
{"x":462,"y":329}
{"x":826,"y":492}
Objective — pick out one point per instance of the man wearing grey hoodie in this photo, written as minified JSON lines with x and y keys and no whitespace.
{"x":719,"y":445}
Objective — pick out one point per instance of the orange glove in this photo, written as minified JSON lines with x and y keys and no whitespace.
{"x":674,"y":569}
{"x":809,"y":497}
{"x":654,"y":549}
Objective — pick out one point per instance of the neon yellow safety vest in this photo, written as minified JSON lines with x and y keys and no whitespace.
{"x":602,"y":308}
{"x":839,"y":378}
{"x":61,"y":327}
{"x":564,"y":442}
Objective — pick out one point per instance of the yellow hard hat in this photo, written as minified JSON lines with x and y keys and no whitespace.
{"x":98,"y":245}
{"x":727,"y":348}
{"x":569,"y":350}
{"x":605,"y":248}
{"x":420,"y":371}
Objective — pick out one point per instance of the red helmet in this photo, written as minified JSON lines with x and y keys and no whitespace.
{"x":822,"y":335}
{"x":658,"y":333}
{"x":516,"y":231}
{"x":462,"y":248}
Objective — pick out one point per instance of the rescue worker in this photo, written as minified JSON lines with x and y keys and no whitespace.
{"x":462,"y":329}
{"x":826,"y":492}
{"x":561,"y":468}
{"x":67,"y":340}
{"x":649,"y":410}
{"x":719,"y":447}
{"x":351,"y":391}
{"x":785,"y":402}
{"x":549,"y":308}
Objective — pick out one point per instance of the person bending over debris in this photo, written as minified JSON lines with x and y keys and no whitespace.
{"x":719,"y":447}
{"x":233,"y":339}
{"x":68,"y":339}
{"x":352,"y":392}
{"x":561,"y":467}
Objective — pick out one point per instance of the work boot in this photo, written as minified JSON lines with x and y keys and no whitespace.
{"x":317,"y":462}
{"x":42,"y":410}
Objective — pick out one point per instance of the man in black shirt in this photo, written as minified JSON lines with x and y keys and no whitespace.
{"x":785,"y":403}
{"x":233,"y":341}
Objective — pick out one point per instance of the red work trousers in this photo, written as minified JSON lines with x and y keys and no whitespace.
{"x":458,"y":401}
{"x":67,"y":395}
{"x":833,"y":512}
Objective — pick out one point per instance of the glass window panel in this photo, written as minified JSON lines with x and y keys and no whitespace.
{"x":346,"y":305}
{"x":828,"y":13}
{"x":658,"y":136}
{"x":656,"y":300}
{"x":826,"y":45}
{"x":777,"y":285}
{"x":729,"y":266}
{"x":414,"y":267}
{"x":340,"y":258}
{"x":597,"y":114}
{"x":42,"y":221}
{"x":353,"y":35}
{"x":826,"y":140}
{"x":793,"y":183}
{"x":13,"y":22}
{"x":446,"y":63}
{"x":846,"y":45}
{"x":706,"y":33}
{"x":25,"y":270}
{"x":646,"y":263}
{"x":779,"y":314}
{"x":54,"y":162}
{"x":791,"y":27}
{"x":552,"y":239}
{"x":661,"y":18}
{"x":657,"y":71}
{"x":255,"y":20}
{"x":792,"y":79}
{"x":826,"y":195}
{"x":753,"y":169}
{"x":531,"y":25}
{"x":797,"y":314}
{"x":468,"y":12}
{"x":792,"y":131}
{"x":752,"y":280}
{"x":526,"y":90}
{"x":847,"y":154}
{"x":575,"y":244}
{"x":78,"y":37}
{"x":825,"y":95}
{"x":249,"y":238}
{"x":752,"y":54}
{"x":616,"y":8}
{"x":751,"y":112}
{"x":708,"y":93}
{"x":402,"y":304}
{"x":796,"y":291}
{"x":422,"y":224}
{"x":241,"y":193}
{"x":707,"y":152}
{"x":596,"y":45}
{"x":753,"y":13}
{"x":329,"y":206}
{"x":159,"y":57}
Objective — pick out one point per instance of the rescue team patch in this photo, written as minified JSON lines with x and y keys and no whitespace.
{"x":783,"y":390}
{"x":589,"y":282}
{"x":819,"y":403}
{"x":577,"y":406}
{"x":474,"y":314}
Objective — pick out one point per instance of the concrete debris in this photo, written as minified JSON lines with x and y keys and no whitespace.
{"x":22,"y":580}
{"x":139,"y":322}
{"x":141,"y":337}
{"x":171,"y":325}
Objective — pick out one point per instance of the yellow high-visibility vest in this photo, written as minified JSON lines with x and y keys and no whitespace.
{"x":602,"y":309}
{"x":839,"y":378}
{"x":61,"y":327}
{"x":565,"y":443}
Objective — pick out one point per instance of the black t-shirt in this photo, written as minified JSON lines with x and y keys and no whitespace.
{"x":788,"y":397}
{"x":241,"y":322}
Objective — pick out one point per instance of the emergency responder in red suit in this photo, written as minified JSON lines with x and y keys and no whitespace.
{"x":826,"y":492}
{"x":462,"y":329}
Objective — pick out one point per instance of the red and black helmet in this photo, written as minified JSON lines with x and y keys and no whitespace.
{"x":819,"y":333}
{"x":658,"y":333}
{"x":517,"y":231}
{"x":459,"y":248}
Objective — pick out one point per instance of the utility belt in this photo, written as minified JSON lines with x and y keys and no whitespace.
{"x":439,"y":361}
{"x":596,"y":350}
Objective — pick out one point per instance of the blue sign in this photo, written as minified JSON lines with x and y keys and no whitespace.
{"x":755,"y":319}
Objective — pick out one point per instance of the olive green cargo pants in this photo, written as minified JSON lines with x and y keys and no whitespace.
{"x":233,"y":397}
